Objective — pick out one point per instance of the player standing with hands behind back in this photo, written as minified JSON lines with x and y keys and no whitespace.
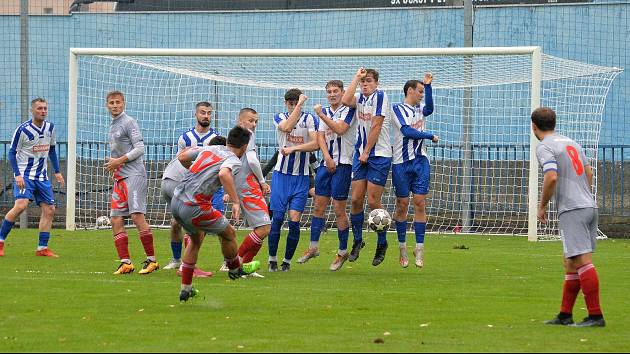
{"x":569,"y":176}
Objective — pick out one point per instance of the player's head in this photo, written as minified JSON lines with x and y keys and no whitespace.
{"x":414,"y":91}
{"x":203,"y":113}
{"x":218,"y":140}
{"x":39,"y":108}
{"x":248,"y":118}
{"x":291,"y":98}
{"x":237,"y":140}
{"x":369,"y":83}
{"x":115,"y":102}
{"x":334,"y":92}
{"x":543,"y":121}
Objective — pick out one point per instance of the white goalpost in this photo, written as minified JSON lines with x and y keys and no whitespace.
{"x":484,"y":173}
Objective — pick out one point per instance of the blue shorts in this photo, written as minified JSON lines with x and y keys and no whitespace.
{"x":217,"y":200}
{"x":288,"y":191}
{"x":336,"y":184}
{"x":413,"y":176}
{"x":375,"y":170}
{"x":39,"y":191}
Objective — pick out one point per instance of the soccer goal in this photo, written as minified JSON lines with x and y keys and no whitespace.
{"x":484,"y":178}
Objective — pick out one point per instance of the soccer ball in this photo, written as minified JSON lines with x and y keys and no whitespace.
{"x":379,"y":220}
{"x":103,"y":221}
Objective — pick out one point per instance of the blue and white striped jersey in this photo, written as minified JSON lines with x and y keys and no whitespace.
{"x":192,"y":138}
{"x":31,"y":145}
{"x":340,"y":147}
{"x":295,"y":163}
{"x":406,"y":149}
{"x":376,"y":104}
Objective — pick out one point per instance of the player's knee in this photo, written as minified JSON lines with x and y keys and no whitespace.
{"x":21,"y":205}
{"x":419,"y":204}
{"x":49,"y":210}
{"x":374,"y":203}
{"x":228,"y":234}
{"x":263,"y":231}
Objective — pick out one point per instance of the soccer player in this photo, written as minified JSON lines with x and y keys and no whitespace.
{"x":410,"y":168}
{"x":297,"y":137}
{"x":568,"y":176}
{"x":373,"y":155}
{"x":199,"y":135}
{"x":251,"y":188}
{"x":209,"y":168}
{"x":173,"y":175}
{"x":337,"y":136}
{"x":32,"y":144}
{"x":129,"y":196}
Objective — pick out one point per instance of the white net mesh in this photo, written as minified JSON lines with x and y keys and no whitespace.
{"x":479,"y":170}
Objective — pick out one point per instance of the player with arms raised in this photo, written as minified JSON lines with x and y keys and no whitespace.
{"x":337,"y":136}
{"x":373,"y":156}
{"x":569,"y":177}
{"x":410,"y":168}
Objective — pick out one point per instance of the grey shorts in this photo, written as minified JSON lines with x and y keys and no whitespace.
{"x":129,"y":196}
{"x":194,"y":217}
{"x":168,"y":190}
{"x":578,"y":229}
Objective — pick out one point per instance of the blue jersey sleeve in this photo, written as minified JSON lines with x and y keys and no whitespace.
{"x":412,"y":133}
{"x":428,"y":100}
{"x":54,"y":159}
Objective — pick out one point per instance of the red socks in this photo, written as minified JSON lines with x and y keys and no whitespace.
{"x":590,"y":287}
{"x":146,"y":237}
{"x":121,"y":240}
{"x":233,"y":263}
{"x":570,"y":292}
{"x":187,"y":273}
{"x":250,"y":247}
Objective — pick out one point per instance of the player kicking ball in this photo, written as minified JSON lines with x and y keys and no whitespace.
{"x":209,"y":168}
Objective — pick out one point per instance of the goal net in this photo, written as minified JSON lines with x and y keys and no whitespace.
{"x":483,"y":97}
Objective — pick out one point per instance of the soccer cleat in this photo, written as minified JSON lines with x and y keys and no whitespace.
{"x":197,"y":273}
{"x":308,"y":254}
{"x":46,"y":252}
{"x":149,"y":267}
{"x":338,"y":262}
{"x":356,"y":248}
{"x":244,"y":270}
{"x":184,"y":295}
{"x":560,"y":321}
{"x":404,"y":258}
{"x":125,"y":268}
{"x":1,"y":249}
{"x":379,"y":255}
{"x":173,"y":264}
{"x":418,"y":253}
{"x":224,"y":267}
{"x":591,"y":322}
{"x":285,"y":267}
{"x":273,"y":266}
{"x":253,"y":275}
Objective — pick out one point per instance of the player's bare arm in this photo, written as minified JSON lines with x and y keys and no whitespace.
{"x":19,"y":181}
{"x":227,"y":181}
{"x":375,"y":131}
{"x":187,"y":156}
{"x":312,"y":145}
{"x":339,"y":127}
{"x":331,"y":166}
{"x":288,"y":124}
{"x":589,"y":175}
{"x":549,"y":187}
{"x":348,"y":98}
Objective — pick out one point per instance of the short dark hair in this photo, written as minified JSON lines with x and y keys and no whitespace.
{"x":408,"y":84}
{"x":337,"y":83}
{"x":203,"y":104}
{"x":38,"y":99}
{"x":373,"y":72}
{"x":218,"y":140}
{"x":247,"y":110}
{"x":544,"y":118}
{"x":238,"y":137}
{"x":292,"y":94}
{"x":114,"y":93}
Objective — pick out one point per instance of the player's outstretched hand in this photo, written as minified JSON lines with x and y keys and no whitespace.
{"x":318,"y":109}
{"x":236,"y":211}
{"x":428,"y":78}
{"x":60,"y":180}
{"x":435,"y":138}
{"x":361,"y":73}
{"x":542,"y":215}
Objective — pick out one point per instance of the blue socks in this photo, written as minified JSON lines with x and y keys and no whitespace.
{"x":420,"y":228}
{"x":176,"y":247}
{"x":5,"y":229}
{"x":357,"y":226}
{"x":274,"y":235}
{"x":43,"y":239}
{"x":343,"y":238}
{"x":401,"y":230}
{"x":292,"y":240}
{"x":316,"y":228}
{"x":382,"y":238}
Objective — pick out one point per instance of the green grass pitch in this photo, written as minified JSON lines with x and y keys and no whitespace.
{"x":492,"y":296}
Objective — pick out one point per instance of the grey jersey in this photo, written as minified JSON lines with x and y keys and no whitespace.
{"x":202,"y":178}
{"x":125,"y":138}
{"x":174,"y":170}
{"x":246,"y":170}
{"x":561,"y":154}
